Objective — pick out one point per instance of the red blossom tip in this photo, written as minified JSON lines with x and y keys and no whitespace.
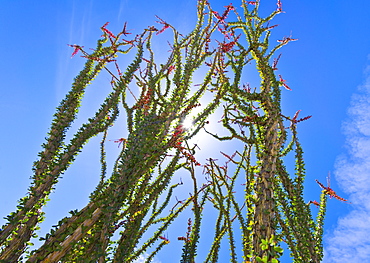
{"x":76,"y":49}
{"x":251,"y":2}
{"x":282,"y":81}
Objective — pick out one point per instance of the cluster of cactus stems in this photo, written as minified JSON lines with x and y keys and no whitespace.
{"x":138,"y":194}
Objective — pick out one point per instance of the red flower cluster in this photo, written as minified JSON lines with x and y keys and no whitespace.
{"x":164,"y":23}
{"x":178,"y":131}
{"x":176,"y":139}
{"x":109,"y":33}
{"x":314,"y":203}
{"x":120,"y":141}
{"x":183,"y":239}
{"x":276,"y":61}
{"x":76,"y":49}
{"x":330,"y":192}
{"x":144,"y":101}
{"x":226,"y":47}
{"x":285,"y":40}
{"x":294,"y":120}
{"x":165,"y":239}
{"x":279,"y":6}
{"x":171,"y":68}
{"x":282,"y":81}
{"x":124,"y":32}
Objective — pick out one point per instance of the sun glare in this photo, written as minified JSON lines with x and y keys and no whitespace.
{"x":188,"y":123}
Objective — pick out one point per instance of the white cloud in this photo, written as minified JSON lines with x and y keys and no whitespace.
{"x":350,"y":240}
{"x":143,"y":258}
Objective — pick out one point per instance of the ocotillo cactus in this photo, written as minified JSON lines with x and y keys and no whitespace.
{"x":155,"y":99}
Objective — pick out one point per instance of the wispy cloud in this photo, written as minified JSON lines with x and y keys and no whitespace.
{"x":350,"y":240}
{"x":75,"y":28}
{"x":143,"y":258}
{"x":122,"y":6}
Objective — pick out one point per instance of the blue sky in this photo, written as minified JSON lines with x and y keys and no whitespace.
{"x":328,"y":70}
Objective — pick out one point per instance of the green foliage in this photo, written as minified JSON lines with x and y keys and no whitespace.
{"x":134,"y":199}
